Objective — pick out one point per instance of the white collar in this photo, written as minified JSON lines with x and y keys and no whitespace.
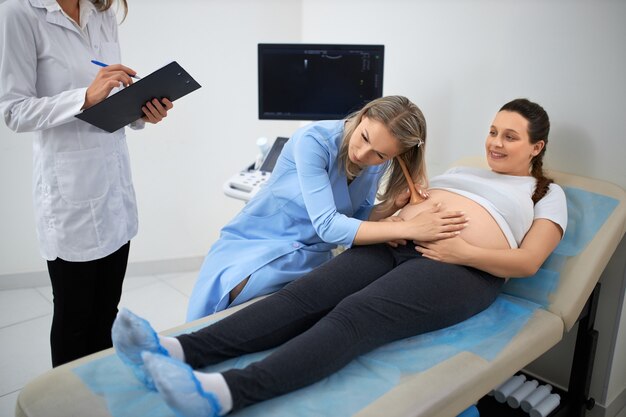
{"x":49,"y":5}
{"x":87,"y":8}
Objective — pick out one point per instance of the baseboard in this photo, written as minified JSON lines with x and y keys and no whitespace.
{"x":24,"y":280}
{"x":165,"y":266}
{"x":611,"y":410}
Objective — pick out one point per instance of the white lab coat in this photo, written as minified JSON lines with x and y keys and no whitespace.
{"x":83,"y":194}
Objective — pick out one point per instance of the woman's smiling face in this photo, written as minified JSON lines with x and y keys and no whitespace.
{"x":508,"y":146}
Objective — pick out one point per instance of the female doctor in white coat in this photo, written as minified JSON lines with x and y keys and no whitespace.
{"x":85,"y":206}
{"x":320,"y":195}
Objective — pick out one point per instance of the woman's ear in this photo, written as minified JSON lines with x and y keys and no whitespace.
{"x":538,"y":147}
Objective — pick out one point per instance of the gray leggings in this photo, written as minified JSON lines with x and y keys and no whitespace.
{"x":366,"y":297}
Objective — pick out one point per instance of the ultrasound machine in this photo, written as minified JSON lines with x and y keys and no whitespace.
{"x":307,"y":82}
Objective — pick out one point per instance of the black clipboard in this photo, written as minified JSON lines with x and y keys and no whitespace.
{"x":116,"y":111}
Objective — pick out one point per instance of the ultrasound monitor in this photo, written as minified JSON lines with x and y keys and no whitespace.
{"x":316,"y":81}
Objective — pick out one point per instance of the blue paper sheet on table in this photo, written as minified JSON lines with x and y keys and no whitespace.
{"x":376,"y":372}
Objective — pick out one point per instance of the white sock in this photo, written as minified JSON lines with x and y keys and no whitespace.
{"x":216,"y":384}
{"x":173,"y":347}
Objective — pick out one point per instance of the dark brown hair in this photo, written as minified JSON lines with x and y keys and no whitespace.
{"x":538,"y":129}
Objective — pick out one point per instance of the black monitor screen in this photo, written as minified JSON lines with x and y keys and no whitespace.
{"x":317,"y":82}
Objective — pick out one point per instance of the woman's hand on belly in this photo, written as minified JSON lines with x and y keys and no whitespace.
{"x":454,"y":250}
{"x":434,"y":224}
{"x":483,"y":231}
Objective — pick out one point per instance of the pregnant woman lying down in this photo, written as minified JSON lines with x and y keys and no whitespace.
{"x":371,"y":295}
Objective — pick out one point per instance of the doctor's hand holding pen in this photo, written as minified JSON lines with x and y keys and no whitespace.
{"x":116,"y":75}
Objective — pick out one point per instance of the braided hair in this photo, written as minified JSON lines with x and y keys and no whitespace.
{"x":538,"y":129}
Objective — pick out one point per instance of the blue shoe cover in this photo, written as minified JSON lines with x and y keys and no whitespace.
{"x":179,"y":387}
{"x":132,"y":335}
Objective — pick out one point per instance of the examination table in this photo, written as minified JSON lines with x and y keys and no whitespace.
{"x":444,"y":389}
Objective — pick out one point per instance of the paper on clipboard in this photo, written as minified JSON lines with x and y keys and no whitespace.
{"x":118,"y":110}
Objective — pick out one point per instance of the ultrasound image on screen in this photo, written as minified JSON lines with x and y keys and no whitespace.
{"x":313,"y":82}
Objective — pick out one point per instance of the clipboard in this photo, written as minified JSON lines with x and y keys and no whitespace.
{"x":118,"y":110}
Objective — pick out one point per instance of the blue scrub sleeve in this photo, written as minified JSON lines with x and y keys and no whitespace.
{"x":312,"y":160}
{"x":363,"y":213}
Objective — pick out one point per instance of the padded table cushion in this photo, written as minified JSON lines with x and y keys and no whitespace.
{"x":445,"y":389}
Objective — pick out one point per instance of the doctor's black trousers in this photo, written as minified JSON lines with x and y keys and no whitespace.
{"x":86,"y":295}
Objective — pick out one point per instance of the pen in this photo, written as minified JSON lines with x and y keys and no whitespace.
{"x":102,"y":64}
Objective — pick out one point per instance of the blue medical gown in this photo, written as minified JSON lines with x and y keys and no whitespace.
{"x":291,"y":225}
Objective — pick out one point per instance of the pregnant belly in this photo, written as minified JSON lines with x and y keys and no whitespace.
{"x":482,"y":229}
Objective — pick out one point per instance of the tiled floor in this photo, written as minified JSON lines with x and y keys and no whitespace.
{"x":26,"y":315}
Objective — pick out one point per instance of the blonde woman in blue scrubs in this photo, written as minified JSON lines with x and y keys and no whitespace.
{"x":85,"y":207}
{"x":321,"y":194}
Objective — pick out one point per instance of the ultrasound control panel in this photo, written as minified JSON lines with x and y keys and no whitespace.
{"x":246,"y":183}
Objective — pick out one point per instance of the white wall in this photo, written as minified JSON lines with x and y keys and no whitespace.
{"x":460,"y":60}
{"x":178,"y":166}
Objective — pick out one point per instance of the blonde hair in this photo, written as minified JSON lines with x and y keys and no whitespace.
{"x":407,"y":124}
{"x":103,"y":5}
